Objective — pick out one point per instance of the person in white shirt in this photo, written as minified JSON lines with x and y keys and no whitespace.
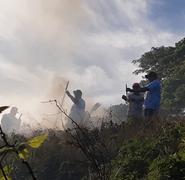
{"x":77,"y":112}
{"x":10,"y":123}
{"x":135,"y":100}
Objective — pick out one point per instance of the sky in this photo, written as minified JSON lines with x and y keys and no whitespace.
{"x":44,"y":43}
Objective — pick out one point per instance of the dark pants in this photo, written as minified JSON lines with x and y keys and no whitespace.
{"x":151,"y":120}
{"x":149,"y":113}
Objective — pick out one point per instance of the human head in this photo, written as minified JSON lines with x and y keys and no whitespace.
{"x":13,"y":111}
{"x":151,"y":76}
{"x":136,"y":86}
{"x":77,"y":93}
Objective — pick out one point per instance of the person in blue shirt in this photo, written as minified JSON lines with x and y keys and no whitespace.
{"x":153,"y":96}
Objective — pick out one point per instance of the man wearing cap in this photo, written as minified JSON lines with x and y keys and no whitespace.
{"x":135,"y":100}
{"x":153,"y":96}
{"x":78,"y":108}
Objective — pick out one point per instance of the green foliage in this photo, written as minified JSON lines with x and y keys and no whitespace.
{"x":24,"y":154}
{"x":34,"y":142}
{"x":160,"y":157}
{"x":168,"y":168}
{"x":131,"y":161}
{"x":37,"y":141}
{"x":142,"y":155}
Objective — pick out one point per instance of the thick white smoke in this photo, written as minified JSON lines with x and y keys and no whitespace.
{"x":38,"y":26}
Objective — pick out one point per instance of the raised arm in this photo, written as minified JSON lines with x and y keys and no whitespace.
{"x":72,"y":97}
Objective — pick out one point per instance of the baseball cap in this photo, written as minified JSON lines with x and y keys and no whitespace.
{"x":151,"y":74}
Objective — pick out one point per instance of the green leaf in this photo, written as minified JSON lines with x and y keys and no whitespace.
{"x":37,"y":141}
{"x":24,"y":154}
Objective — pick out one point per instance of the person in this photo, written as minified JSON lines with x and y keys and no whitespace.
{"x":135,"y":100}
{"x":10,"y":123}
{"x":153,"y":96}
{"x":77,"y":111}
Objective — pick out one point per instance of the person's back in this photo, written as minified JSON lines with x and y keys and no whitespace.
{"x":152,"y":100}
{"x":153,"y":97}
{"x":135,"y":101}
{"x":135,"y":105}
{"x":79,"y":106}
{"x":77,"y":111}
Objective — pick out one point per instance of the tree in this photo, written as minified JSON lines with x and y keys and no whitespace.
{"x":169,"y":63}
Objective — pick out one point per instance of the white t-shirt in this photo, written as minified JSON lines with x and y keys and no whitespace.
{"x":135,"y":105}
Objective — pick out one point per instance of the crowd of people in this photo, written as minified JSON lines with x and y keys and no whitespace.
{"x":142,"y":102}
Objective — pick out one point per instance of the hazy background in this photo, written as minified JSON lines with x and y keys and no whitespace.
{"x":44,"y":43}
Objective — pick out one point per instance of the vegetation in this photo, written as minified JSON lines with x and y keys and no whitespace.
{"x":132,"y":153}
{"x":160,"y":156}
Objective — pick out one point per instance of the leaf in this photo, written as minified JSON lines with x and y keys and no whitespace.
{"x":2,"y":108}
{"x":37,"y":141}
{"x":24,"y":154}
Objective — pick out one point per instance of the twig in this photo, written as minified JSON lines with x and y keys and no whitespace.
{"x":86,"y":149}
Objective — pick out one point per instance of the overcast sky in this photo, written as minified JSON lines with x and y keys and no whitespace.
{"x":91,"y":43}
